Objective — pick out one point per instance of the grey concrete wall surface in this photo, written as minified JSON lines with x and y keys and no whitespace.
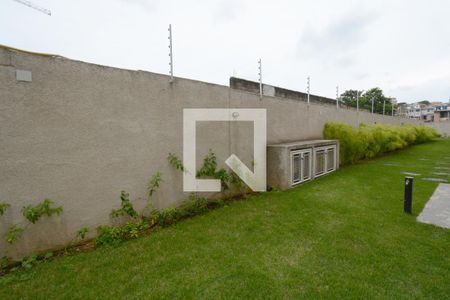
{"x":80,"y":133}
{"x":442,"y":127}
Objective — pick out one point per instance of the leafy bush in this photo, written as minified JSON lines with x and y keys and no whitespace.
{"x":108,"y":235}
{"x":193,"y":206}
{"x":368,"y":141}
{"x":112,"y":235}
{"x":168,"y":216}
{"x":34,"y":213}
{"x":209,"y":166}
{"x":28,"y":262}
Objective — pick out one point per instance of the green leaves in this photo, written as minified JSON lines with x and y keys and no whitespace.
{"x":175,"y":162}
{"x":365,"y":100}
{"x":154,"y":184}
{"x":126,"y":207}
{"x":209,"y":166}
{"x":209,"y":169}
{"x":13,"y":234}
{"x":3,"y":207}
{"x":113,"y":235}
{"x":82,"y":232}
{"x":34,"y":213}
{"x":369,"y":141}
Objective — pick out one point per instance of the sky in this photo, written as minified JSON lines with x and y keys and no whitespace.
{"x":402,"y":47}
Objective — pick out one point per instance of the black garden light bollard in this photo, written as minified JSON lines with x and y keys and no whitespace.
{"x":407,"y":204}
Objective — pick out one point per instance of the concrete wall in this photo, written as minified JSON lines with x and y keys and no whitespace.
{"x":80,"y":133}
{"x":442,"y":127}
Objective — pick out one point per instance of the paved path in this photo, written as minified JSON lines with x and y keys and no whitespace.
{"x":437,"y":209}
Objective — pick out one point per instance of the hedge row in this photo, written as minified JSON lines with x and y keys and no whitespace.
{"x":368,"y":141}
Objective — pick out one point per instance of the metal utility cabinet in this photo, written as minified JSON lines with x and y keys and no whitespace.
{"x":289,"y":164}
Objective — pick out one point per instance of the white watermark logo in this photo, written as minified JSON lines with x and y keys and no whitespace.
{"x":256,"y":180}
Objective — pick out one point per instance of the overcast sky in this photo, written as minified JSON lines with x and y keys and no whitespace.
{"x":402,"y":47}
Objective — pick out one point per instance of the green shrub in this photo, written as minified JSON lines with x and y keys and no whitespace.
{"x":28,"y":262}
{"x":82,"y":232}
{"x":108,"y":235}
{"x":126,"y":207}
{"x":34,"y":213}
{"x":193,"y":206}
{"x":168,"y":216}
{"x":113,"y":235}
{"x":3,"y":207}
{"x":175,"y":162}
{"x":154,"y":184}
{"x":209,"y":170}
{"x":13,"y":234}
{"x":368,"y":141}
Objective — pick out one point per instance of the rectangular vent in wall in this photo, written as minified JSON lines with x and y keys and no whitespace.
{"x":300,"y":166}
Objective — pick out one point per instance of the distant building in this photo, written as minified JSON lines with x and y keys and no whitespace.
{"x":428,"y":112}
{"x":442,"y":113}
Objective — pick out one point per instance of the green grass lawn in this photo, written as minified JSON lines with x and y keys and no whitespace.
{"x":341,"y":236}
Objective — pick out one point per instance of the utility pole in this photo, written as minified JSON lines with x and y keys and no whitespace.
{"x":372,"y":105}
{"x":384,"y":105}
{"x":307,"y":88}
{"x":337,"y":96}
{"x":260,"y":78}
{"x":170,"y":54}
{"x":357,"y":100}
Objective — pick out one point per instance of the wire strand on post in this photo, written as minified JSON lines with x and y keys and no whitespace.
{"x":337,"y":96}
{"x":260,"y":78}
{"x":170,"y":54}
{"x":357,"y":100}
{"x":307,"y":87}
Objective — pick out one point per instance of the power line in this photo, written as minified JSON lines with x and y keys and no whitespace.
{"x":34,"y":6}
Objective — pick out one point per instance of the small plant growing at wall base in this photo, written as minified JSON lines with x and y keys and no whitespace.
{"x":82,"y":232}
{"x":113,"y":235}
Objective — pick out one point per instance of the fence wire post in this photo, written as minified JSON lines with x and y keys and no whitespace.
{"x":307,"y":88}
{"x":170,"y":54}
{"x":260,"y":79}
